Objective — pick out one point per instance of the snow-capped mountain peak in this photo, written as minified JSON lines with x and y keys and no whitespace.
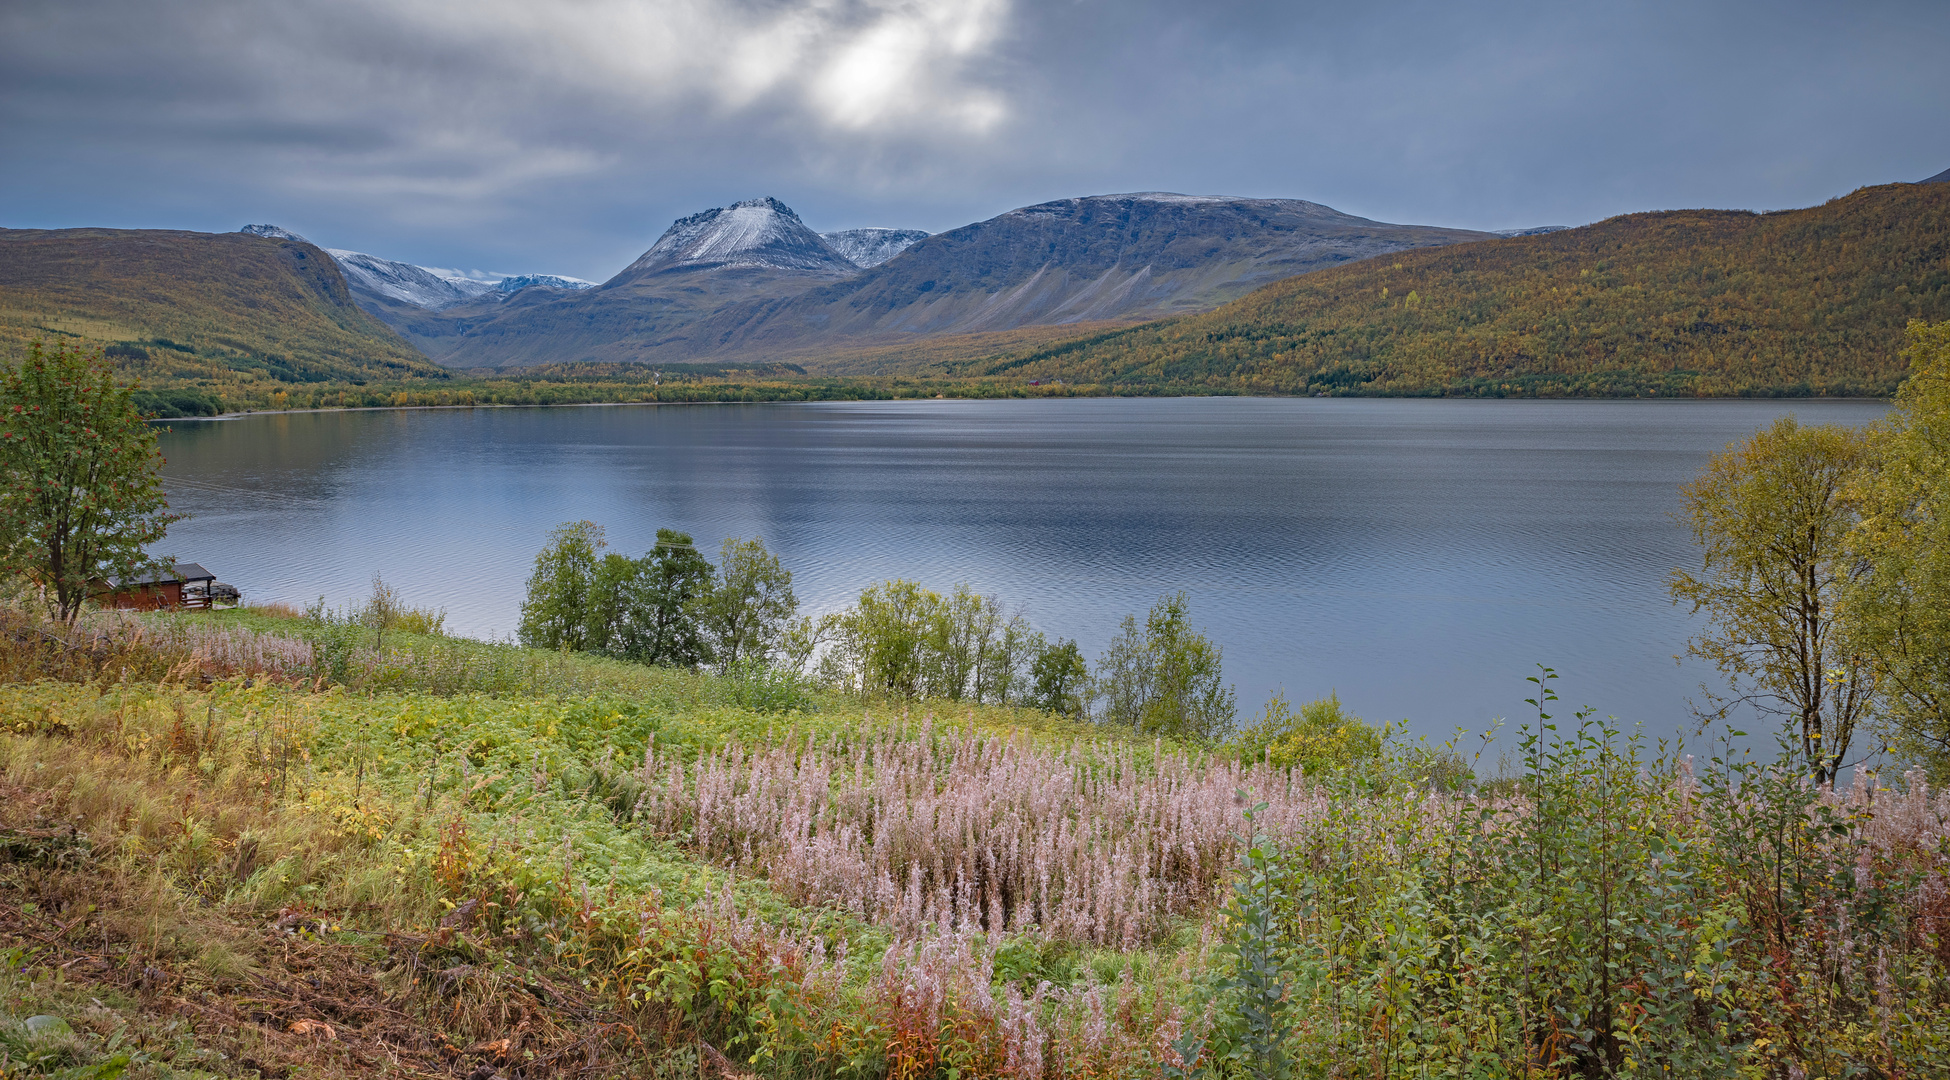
{"x":866,"y":248}
{"x":756,"y":233}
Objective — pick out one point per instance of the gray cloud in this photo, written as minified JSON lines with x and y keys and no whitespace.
{"x":562,"y":137}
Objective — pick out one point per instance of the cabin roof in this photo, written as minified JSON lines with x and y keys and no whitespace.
{"x":180,"y":573}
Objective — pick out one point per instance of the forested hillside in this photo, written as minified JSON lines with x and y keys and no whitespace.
{"x":1706,"y":302}
{"x":216,"y":313}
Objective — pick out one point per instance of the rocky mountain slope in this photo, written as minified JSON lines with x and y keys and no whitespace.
{"x":1691,"y":302}
{"x":198,"y":308}
{"x":751,"y":280}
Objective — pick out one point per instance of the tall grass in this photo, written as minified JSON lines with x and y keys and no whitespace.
{"x":1101,"y":843}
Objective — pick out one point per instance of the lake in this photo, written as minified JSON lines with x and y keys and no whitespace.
{"x":1417,"y":557}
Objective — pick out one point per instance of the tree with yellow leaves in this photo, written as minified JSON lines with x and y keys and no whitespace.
{"x":1899,"y":605}
{"x":1773,"y":516}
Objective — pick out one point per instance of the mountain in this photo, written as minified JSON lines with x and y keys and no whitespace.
{"x":751,"y":281}
{"x":1810,"y":301}
{"x":1537,"y":230}
{"x":724,"y":258}
{"x":870,"y":247}
{"x":210,"y":309}
{"x":757,"y":234}
{"x":1099,"y":258}
{"x":383,"y":285}
{"x":1940,"y":178}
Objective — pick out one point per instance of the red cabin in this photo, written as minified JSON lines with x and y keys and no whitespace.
{"x":187,"y":585}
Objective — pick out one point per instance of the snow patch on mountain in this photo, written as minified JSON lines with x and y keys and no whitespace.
{"x":540,"y":281}
{"x":1535,"y":230}
{"x":272,"y":232}
{"x":466,"y":277}
{"x":756,"y":233}
{"x":870,"y":247}
{"x":1172,"y":197}
{"x":405,"y":282}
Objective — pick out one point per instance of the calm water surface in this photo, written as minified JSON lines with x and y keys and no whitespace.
{"x":1418,"y":557}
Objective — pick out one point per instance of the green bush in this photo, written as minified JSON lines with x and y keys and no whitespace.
{"x":1321,"y":736}
{"x":175,"y":404}
{"x":765,"y":688}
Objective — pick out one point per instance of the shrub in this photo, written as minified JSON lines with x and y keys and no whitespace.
{"x":1164,"y":677}
{"x":1321,"y":736}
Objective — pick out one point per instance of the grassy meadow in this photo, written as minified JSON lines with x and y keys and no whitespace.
{"x":258,"y":844}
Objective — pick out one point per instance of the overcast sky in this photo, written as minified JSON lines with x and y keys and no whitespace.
{"x":562,"y":137}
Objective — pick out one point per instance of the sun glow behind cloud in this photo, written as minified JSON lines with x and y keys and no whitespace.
{"x":865,"y":67}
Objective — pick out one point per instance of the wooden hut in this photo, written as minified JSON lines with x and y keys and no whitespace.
{"x":186,"y":585}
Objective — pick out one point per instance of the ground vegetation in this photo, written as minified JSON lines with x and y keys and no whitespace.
{"x":228,"y":850}
{"x":260,"y":842}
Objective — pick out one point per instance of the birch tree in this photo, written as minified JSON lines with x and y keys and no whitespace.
{"x":1772,"y":516}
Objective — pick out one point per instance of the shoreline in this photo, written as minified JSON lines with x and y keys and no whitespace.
{"x":1024,"y":397}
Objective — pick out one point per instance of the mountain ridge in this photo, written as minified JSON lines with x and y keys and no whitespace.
{"x":202,"y":308}
{"x":751,"y":278}
{"x":1691,"y":302}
